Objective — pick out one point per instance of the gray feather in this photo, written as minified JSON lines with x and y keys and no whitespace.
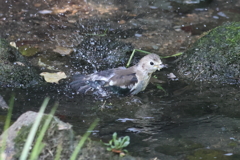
{"x":135,"y":79}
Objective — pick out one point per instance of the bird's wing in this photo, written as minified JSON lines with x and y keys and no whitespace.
{"x":100,"y":76}
{"x":118,"y":77}
{"x":123,"y":78}
{"x":84,"y":83}
{"x":77,"y":81}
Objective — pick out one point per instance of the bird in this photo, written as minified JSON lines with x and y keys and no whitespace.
{"x":121,"y":80}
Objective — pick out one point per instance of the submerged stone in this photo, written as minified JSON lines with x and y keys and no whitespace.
{"x":179,"y":146}
{"x":15,"y":71}
{"x":208,"y":154}
{"x":214,"y":57}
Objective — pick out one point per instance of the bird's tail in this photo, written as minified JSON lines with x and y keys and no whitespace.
{"x":79,"y":84}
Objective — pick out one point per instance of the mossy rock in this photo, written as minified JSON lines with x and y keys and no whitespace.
{"x":215,"y":57}
{"x":15,"y":71}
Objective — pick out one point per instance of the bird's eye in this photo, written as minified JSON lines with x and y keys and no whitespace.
{"x":151,"y":63}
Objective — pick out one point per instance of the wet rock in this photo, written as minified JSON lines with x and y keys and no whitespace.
{"x":100,"y":53}
{"x":26,"y":119}
{"x":58,"y":134}
{"x":63,"y":51}
{"x":3,"y":103}
{"x":214,"y":57}
{"x":15,"y":71}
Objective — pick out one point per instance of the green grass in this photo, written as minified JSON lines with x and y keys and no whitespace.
{"x":33,"y":132}
{"x":38,"y":146}
{"x":6,"y":126}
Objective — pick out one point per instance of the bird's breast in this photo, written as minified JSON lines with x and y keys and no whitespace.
{"x":142,"y":83}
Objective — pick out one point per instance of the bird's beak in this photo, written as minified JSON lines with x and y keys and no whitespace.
{"x":161,"y":66}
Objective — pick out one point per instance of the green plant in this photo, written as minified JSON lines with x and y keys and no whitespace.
{"x":117,"y":145}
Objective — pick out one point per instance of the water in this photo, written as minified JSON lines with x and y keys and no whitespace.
{"x":188,"y":121}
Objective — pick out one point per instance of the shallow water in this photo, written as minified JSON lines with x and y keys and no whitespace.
{"x":168,"y":126}
{"x":188,"y":121}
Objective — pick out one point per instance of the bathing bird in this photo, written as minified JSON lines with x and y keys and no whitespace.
{"x":120,"y":80}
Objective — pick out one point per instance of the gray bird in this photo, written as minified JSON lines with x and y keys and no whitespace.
{"x":119,"y":80}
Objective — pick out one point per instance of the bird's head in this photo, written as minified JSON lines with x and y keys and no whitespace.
{"x":150,"y":63}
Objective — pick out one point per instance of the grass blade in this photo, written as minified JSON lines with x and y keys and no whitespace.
{"x":83,"y":139}
{"x":6,"y":126}
{"x":130,"y":59}
{"x":138,"y":50}
{"x":33,"y":130}
{"x":36,"y":149}
{"x":175,"y":55}
{"x":58,"y":152}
